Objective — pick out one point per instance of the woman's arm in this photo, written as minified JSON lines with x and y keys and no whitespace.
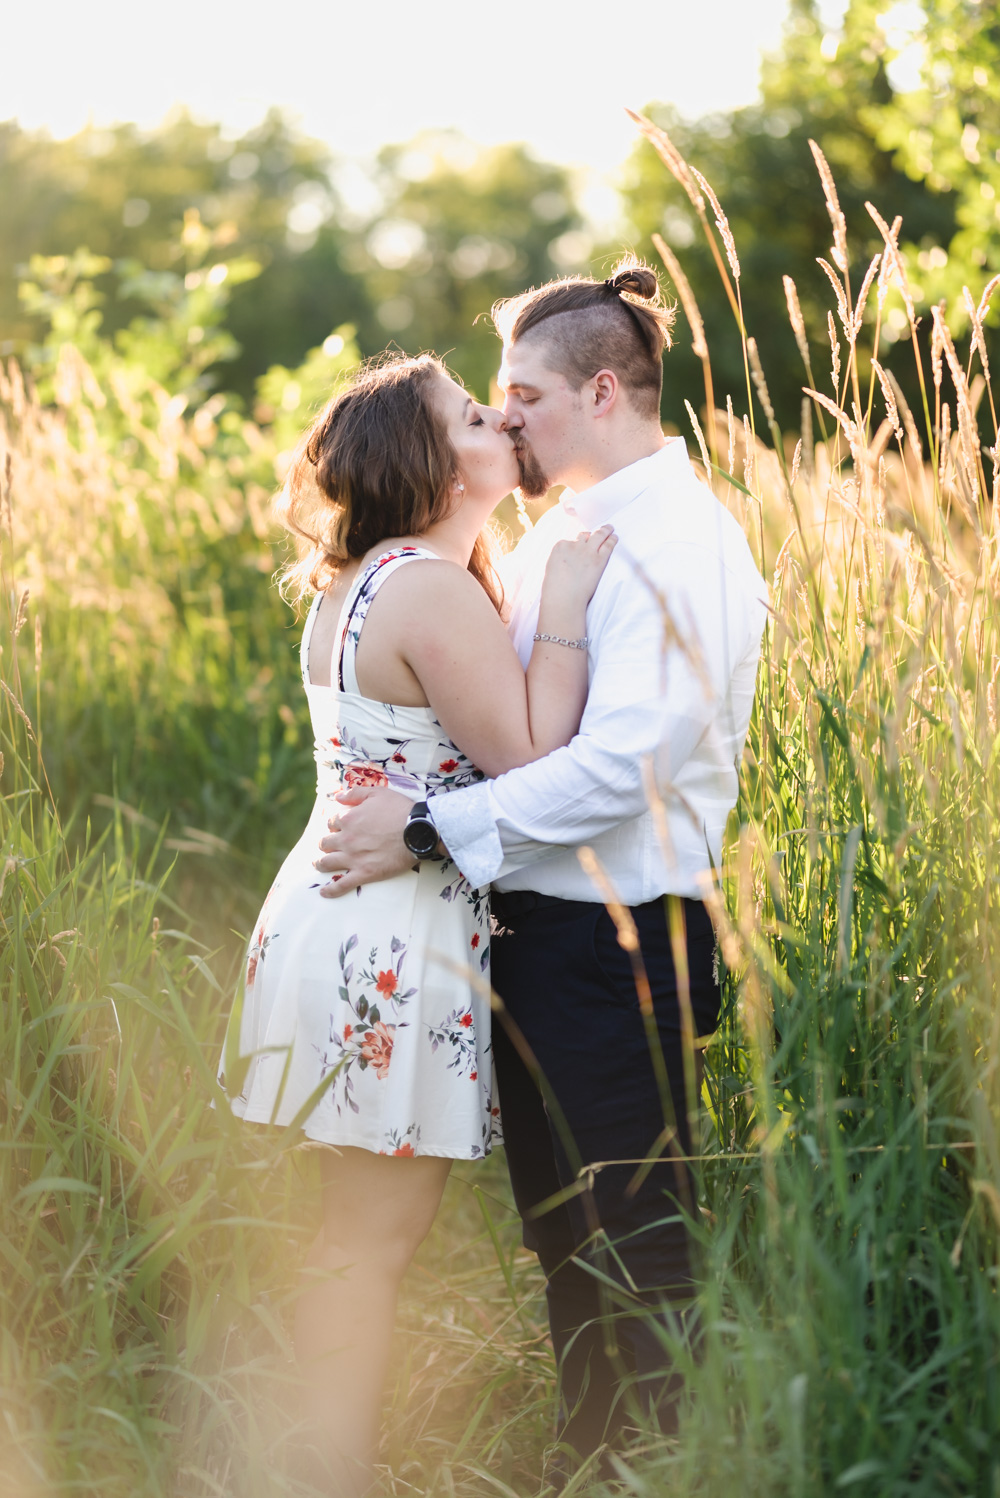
{"x":556,"y":687}
{"x":438,"y":621}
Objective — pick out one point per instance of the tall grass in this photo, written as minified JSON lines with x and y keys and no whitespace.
{"x":151,"y":1246}
{"x":139,"y":521}
{"x":850,"y":1215}
{"x":854,"y":1253}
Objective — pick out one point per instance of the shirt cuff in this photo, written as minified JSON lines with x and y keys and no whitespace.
{"x":466,"y":823}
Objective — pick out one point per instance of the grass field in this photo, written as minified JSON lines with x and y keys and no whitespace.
{"x":157,"y":765}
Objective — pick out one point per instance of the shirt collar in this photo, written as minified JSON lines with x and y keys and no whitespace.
{"x":601,"y":502}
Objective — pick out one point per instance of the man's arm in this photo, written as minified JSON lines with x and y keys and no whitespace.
{"x":649,"y":697}
{"x":646,"y":697}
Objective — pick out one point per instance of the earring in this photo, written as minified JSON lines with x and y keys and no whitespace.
{"x":461,"y":488}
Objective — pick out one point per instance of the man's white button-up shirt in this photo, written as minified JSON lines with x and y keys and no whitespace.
{"x":675,"y":628}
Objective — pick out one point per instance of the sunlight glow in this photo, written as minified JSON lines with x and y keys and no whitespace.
{"x":493,"y":75}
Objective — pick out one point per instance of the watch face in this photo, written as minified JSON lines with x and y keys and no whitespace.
{"x":420,"y":836}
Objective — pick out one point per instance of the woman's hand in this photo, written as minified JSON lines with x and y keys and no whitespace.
{"x":575,"y":568}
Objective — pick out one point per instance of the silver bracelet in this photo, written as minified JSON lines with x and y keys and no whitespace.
{"x":558,"y":640}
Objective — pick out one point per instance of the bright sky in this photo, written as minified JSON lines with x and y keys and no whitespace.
{"x":360,"y":74}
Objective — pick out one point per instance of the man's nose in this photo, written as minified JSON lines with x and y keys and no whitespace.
{"x":512,"y":418}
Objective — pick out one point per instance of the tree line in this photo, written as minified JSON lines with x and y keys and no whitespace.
{"x":904,"y":104}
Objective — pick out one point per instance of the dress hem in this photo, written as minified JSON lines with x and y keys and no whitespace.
{"x":371,"y":1147}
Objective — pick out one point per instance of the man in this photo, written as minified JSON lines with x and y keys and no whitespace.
{"x":674,"y":635}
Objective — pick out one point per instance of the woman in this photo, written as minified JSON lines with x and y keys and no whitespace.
{"x":360,"y":1018}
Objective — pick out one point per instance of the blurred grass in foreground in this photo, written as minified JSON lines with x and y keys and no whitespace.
{"x":852,"y":1182}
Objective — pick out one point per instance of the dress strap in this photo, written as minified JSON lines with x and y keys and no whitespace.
{"x":307,"y":630}
{"x":357,"y":604}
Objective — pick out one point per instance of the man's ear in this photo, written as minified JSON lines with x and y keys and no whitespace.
{"x":603,"y":392}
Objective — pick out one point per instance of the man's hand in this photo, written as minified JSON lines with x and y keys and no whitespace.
{"x":365,"y":841}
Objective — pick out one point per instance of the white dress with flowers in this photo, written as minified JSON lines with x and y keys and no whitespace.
{"x":365,"y":1020}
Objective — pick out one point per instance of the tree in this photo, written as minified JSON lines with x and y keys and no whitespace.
{"x":460,"y":228}
{"x":759,"y":162}
{"x":454,"y":227}
{"x":124,"y":194}
{"x":945,"y":133}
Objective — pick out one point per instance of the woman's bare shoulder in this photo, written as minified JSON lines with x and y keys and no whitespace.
{"x":435,"y":579}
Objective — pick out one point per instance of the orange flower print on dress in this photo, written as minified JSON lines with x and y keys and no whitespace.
{"x":362,"y":1038}
{"x":366,"y":775}
{"x":251,"y":968}
{"x":475,"y":940}
{"x":456,"y":1036}
{"x":473,"y":1076}
{"x":376,"y":1048}
{"x":447,"y":766}
{"x":402,"y":1142}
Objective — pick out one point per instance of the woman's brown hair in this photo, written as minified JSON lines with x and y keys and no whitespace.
{"x":377,"y":462}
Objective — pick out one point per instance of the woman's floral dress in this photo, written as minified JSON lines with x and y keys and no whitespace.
{"x":362,"y":1021}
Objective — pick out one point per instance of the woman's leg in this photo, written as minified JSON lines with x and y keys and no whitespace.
{"x":377,"y":1209}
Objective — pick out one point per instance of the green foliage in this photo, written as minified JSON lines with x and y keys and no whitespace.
{"x":850,"y":1215}
{"x":172,"y":344}
{"x":449,"y":229}
{"x":460,"y":228}
{"x":946,"y":134}
{"x":851,"y":1309}
{"x":177,"y":678}
{"x":126,"y":194}
{"x":289,"y":398}
{"x":923,"y":151}
{"x":851,"y":1182}
{"x":151,"y":1246}
{"x":872,"y":1219}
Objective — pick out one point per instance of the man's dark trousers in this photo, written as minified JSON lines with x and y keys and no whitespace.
{"x":569,"y":989}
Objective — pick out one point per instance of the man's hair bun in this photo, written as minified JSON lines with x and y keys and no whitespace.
{"x":637,"y":280}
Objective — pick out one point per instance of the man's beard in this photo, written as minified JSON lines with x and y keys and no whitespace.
{"x":533,"y":481}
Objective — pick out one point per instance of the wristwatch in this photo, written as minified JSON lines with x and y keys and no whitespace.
{"x":420,"y":835}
